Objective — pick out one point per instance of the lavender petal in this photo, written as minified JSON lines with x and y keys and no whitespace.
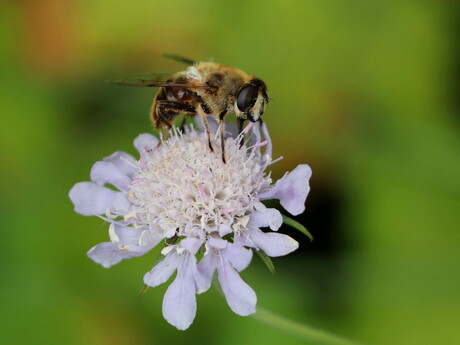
{"x":191,"y":244}
{"x":108,"y":173}
{"x":91,"y":199}
{"x":161,"y":272}
{"x":134,"y":241}
{"x":224,"y":229}
{"x":179,"y":303}
{"x":212,"y":123}
{"x":273,"y":244}
{"x":268,"y":148}
{"x":145,"y":141}
{"x":125,"y":162}
{"x":217,"y":243}
{"x":206,"y":268}
{"x":106,"y":254}
{"x":238,"y":256}
{"x":240,"y":296}
{"x":291,"y":190}
{"x":263,"y":217}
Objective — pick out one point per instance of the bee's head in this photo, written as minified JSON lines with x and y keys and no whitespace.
{"x":251,"y":99}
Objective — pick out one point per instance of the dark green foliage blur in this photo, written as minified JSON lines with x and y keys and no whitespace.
{"x":366,"y":92}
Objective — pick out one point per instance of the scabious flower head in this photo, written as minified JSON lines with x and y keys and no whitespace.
{"x":182,"y":195}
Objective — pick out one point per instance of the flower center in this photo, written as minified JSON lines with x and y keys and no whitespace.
{"x":186,"y":189}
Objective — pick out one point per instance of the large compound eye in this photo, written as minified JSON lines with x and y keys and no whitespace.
{"x":247,"y":97}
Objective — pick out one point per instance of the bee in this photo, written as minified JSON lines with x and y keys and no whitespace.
{"x":203,"y":89}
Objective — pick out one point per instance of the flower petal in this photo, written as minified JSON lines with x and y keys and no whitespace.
{"x":91,"y":199}
{"x":206,"y":268}
{"x":125,"y":162}
{"x":217,"y":242}
{"x":179,"y":303}
{"x":212,"y":123}
{"x":231,"y":130}
{"x":291,"y":190}
{"x":268,"y":148}
{"x":161,"y":272}
{"x":238,"y":256}
{"x":273,"y":244}
{"x":134,"y":241}
{"x":224,"y":229}
{"x":106,"y":172}
{"x":106,"y":254}
{"x":145,"y":141}
{"x":240,"y":296}
{"x":150,"y":238}
{"x":191,"y":244}
{"x":255,"y":134}
{"x":264,"y":217}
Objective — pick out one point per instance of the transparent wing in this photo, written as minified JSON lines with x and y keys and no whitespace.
{"x":179,"y":59}
{"x":154,"y":80}
{"x":143,"y":80}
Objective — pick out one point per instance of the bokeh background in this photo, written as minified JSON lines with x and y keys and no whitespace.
{"x":366,"y":92}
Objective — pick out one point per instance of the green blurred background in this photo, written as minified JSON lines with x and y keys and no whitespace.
{"x":366,"y":92}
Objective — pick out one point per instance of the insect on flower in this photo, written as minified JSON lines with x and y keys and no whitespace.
{"x":204,"y":89}
{"x":207,"y":216}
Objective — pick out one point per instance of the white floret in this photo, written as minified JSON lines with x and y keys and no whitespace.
{"x":187,"y":190}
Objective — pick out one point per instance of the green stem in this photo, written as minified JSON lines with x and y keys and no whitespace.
{"x":311,"y":334}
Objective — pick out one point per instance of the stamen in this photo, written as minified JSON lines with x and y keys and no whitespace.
{"x":263,"y":143}
{"x":128,"y":162}
{"x":229,"y":210}
{"x":247,"y":128}
{"x":137,"y":181}
{"x":201,"y":190}
{"x":276,"y":160}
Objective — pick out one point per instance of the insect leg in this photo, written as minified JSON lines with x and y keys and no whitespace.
{"x":206,"y":126}
{"x":176,"y":107}
{"x":182,"y":125}
{"x":222,"y":134}
{"x":240,"y":123}
{"x":166,"y":136}
{"x":169,"y":110}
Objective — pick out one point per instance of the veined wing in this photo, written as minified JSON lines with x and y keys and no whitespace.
{"x":153,"y":80}
{"x":179,"y":59}
{"x":142,"y":80}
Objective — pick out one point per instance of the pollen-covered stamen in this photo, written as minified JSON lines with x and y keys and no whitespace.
{"x":183,"y":187}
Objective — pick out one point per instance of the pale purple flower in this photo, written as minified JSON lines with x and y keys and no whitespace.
{"x":183,"y":196}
